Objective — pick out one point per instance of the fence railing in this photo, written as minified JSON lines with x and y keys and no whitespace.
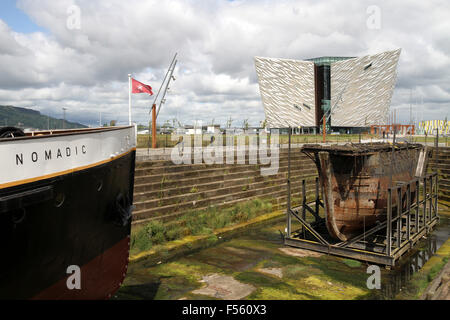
{"x":407,"y":217}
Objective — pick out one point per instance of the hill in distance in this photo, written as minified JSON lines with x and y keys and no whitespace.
{"x":27,"y":118}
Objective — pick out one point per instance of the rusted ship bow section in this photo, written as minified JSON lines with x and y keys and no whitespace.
{"x":377,"y":199}
{"x":355,"y":179}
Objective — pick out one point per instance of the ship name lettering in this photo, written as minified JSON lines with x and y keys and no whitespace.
{"x":19,"y":159}
{"x":47,"y":154}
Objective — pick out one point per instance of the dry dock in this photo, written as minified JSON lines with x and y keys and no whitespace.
{"x":253,"y":263}
{"x":256,"y":265}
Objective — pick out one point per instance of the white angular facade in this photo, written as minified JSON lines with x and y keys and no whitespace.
{"x":287,"y":91}
{"x":362,"y":88}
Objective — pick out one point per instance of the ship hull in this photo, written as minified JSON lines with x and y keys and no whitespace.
{"x":355,"y":186}
{"x":68,"y":236}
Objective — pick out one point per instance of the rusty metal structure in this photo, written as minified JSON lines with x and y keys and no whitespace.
{"x":390,"y":128}
{"x":354,"y":179}
{"x":377,"y":202}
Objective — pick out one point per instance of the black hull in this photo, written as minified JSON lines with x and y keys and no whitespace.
{"x":41,"y":235}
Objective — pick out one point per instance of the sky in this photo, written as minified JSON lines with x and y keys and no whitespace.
{"x":78,"y":54}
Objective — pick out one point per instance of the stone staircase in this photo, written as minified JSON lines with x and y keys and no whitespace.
{"x":443,"y":168}
{"x":163,"y":190}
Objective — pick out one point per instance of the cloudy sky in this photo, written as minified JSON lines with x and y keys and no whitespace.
{"x":77,"y":53}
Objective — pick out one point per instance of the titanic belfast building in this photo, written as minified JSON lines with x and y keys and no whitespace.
{"x":352,"y":93}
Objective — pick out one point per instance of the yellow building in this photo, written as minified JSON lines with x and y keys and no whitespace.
{"x":430,"y":126}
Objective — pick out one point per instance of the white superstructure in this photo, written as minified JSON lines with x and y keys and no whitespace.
{"x":361,"y":89}
{"x":358,"y":90}
{"x":287,"y":91}
{"x":29,"y":159}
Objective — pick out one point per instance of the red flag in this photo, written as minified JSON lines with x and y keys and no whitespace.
{"x":138,"y":87}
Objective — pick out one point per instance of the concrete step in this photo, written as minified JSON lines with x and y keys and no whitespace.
{"x":441,"y":162}
{"x":225,"y":179}
{"x":153,"y":163}
{"x":443,"y":173}
{"x":277,"y":199}
{"x":158,"y":190}
{"x":444,"y":189}
{"x":444,"y":197}
{"x":442,"y":156}
{"x":443,"y":150}
{"x":147,"y":202}
{"x":161,"y":163}
{"x":182,"y":171}
{"x":151,"y":212}
{"x":144,"y":171}
{"x":154,"y":203}
{"x":139,"y":180}
{"x":190,"y":182}
{"x":281,"y":151}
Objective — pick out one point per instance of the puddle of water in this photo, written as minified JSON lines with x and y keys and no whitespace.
{"x":398,"y":278}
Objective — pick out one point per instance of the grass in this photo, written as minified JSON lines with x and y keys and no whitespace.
{"x":436,"y":269}
{"x":324,"y":277}
{"x":242,"y":257}
{"x":196,"y":223}
{"x":430,"y":139}
{"x":295,"y":272}
{"x":352,"y":263}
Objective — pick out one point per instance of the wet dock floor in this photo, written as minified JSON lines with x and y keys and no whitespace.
{"x":256,"y":265}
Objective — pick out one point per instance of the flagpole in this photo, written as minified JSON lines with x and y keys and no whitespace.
{"x":129,"y":99}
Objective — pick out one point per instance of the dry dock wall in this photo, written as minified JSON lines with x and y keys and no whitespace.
{"x":163,"y":190}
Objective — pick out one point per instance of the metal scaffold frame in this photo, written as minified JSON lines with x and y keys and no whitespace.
{"x":407,"y":221}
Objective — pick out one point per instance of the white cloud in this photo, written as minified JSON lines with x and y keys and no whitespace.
{"x":86,"y":70}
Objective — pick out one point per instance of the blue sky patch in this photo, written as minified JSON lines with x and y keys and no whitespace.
{"x":16,"y":19}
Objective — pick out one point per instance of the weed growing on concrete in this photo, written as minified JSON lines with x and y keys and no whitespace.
{"x":197,"y":222}
{"x":152,"y":233}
